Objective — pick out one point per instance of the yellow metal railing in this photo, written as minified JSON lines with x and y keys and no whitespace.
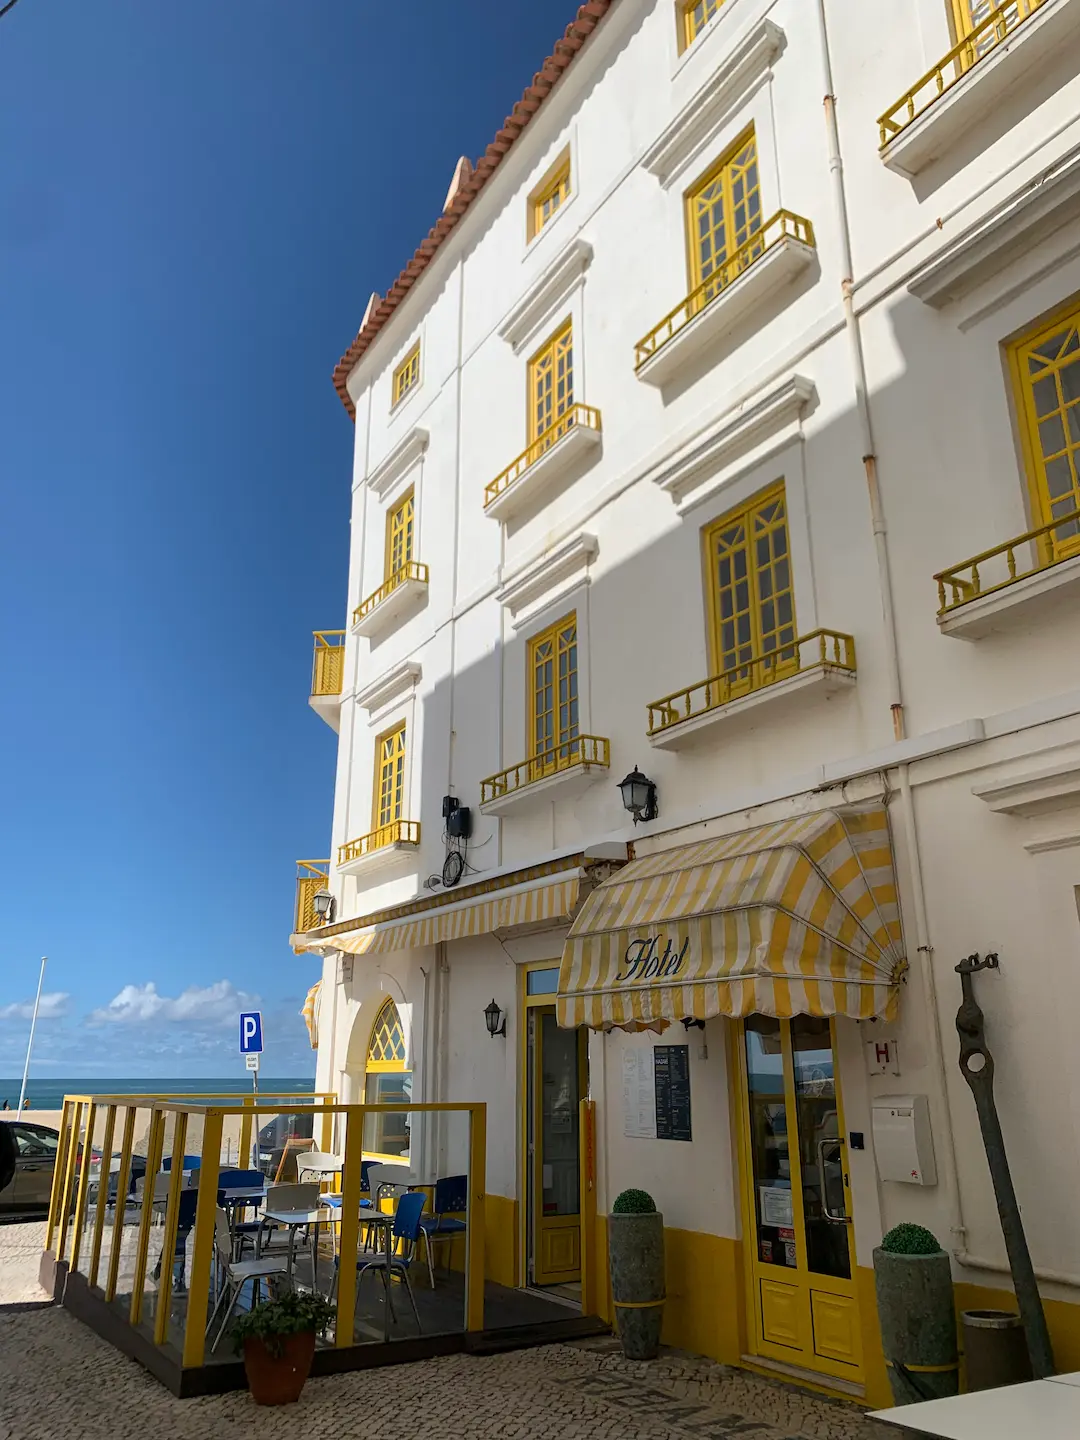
{"x":575,"y":417}
{"x":831,"y":650}
{"x":411,"y":570}
{"x":124,"y":1246}
{"x":311,"y":877}
{"x":328,"y":668}
{"x":398,"y":832}
{"x":962,"y":583}
{"x":583,"y":750}
{"x":983,"y":40}
{"x":784,"y":225}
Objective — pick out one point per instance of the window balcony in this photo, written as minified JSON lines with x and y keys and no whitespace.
{"x":380,"y":610}
{"x":773,"y":256}
{"x":973,"y":79}
{"x":561,"y":773}
{"x":311,"y":877}
{"x":382,"y":847}
{"x":327,"y":675}
{"x":823,"y":660}
{"x":1014,"y":583}
{"x":575,"y":433}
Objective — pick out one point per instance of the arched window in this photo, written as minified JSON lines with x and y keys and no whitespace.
{"x":387,"y":1082}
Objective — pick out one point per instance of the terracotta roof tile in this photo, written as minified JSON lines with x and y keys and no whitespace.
{"x":554,"y":67}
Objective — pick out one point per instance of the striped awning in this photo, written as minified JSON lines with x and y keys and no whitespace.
{"x":310,"y":1012}
{"x":527,"y":906}
{"x":795,"y":918}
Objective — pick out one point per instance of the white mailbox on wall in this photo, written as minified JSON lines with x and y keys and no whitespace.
{"x":903,"y":1144}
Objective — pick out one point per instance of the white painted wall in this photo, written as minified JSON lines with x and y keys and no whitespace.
{"x":952,"y":484}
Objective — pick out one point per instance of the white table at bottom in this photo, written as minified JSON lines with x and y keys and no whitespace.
{"x":1046,"y":1409}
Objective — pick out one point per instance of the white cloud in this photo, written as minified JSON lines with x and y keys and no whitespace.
{"x":51,"y":1008}
{"x":216,"y":1004}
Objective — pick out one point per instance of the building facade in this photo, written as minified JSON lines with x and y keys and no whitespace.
{"x":674,"y":442}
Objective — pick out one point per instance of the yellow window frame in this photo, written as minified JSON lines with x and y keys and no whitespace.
{"x":386,"y":1032}
{"x":400,"y":528}
{"x":752,"y":613}
{"x":694,"y":15}
{"x":1042,"y":406}
{"x":389,"y":799}
{"x":550,"y":195}
{"x":553,"y":701}
{"x":551,"y":383}
{"x":723,"y":210}
{"x":407,"y":374}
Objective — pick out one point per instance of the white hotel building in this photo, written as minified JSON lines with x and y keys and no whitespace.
{"x":773,"y":371}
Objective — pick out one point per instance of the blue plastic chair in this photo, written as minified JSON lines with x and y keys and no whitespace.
{"x":451,"y":1194}
{"x":332,"y":1200}
{"x":185,"y":1220}
{"x":406,"y":1234}
{"x":241,"y":1180}
{"x":191,"y":1162}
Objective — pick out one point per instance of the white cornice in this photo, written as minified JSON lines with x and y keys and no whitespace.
{"x":697,"y":123}
{"x":546,"y":579}
{"x":390,"y":686}
{"x":554,"y":287}
{"x":399,"y":462}
{"x":773,"y":416}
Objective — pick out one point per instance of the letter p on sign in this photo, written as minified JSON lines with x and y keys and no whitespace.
{"x":251,"y":1039}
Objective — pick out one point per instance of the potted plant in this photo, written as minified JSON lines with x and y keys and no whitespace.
{"x":636,"y":1262}
{"x":278,"y":1343}
{"x":913,"y":1281}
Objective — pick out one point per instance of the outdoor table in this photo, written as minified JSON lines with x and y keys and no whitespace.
{"x":294,"y":1219}
{"x":1049,"y":1409}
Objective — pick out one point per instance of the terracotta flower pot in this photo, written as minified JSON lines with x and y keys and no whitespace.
{"x":278,"y":1379}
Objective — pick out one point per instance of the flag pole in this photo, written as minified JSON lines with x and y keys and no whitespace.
{"x":33,"y":1023}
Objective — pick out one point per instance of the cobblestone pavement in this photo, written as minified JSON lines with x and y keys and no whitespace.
{"x":59,"y":1381}
{"x":21,"y":1244}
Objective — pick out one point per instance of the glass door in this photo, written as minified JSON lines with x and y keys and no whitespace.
{"x":800,"y":1258}
{"x":557,"y":1083}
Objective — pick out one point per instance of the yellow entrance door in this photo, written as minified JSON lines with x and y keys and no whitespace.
{"x":557,"y":1061}
{"x":799,"y":1246}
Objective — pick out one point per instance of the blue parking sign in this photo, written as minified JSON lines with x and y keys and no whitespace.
{"x":251,"y":1033}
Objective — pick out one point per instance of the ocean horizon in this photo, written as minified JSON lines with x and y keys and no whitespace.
{"x":48,"y":1094}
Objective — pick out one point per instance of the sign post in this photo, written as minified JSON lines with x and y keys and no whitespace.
{"x":251,"y":1043}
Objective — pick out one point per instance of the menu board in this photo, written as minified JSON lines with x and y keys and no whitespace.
{"x":672,"y":1075}
{"x":656,"y":1092}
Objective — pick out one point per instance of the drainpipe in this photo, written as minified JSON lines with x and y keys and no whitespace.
{"x":892,"y":662}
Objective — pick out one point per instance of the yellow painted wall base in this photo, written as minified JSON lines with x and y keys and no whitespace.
{"x":500,"y":1240}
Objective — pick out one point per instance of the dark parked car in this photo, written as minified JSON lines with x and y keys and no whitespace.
{"x":274,"y":1141}
{"x":30,"y":1190}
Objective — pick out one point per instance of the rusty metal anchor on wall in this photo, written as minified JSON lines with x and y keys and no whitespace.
{"x":977,"y":1068}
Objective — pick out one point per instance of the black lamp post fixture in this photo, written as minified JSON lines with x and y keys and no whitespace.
{"x":492,"y":1015}
{"x":322,"y":902}
{"x":639,"y":795}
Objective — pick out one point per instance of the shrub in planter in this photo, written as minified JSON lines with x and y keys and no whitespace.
{"x":278,"y":1344}
{"x":913,"y":1281}
{"x":636,"y":1262}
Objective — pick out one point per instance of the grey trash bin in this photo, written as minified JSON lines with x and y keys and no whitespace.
{"x":995,"y":1347}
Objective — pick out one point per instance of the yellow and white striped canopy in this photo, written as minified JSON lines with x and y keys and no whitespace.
{"x":795,"y":918}
{"x":310,"y":1012}
{"x":480,"y":917}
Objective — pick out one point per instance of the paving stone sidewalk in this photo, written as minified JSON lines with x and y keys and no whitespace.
{"x":21,"y":1244}
{"x":59,"y":1381}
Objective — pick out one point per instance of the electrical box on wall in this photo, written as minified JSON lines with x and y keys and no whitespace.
{"x":903,"y":1144}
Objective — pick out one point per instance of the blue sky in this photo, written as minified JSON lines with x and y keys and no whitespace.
{"x":195,"y":202}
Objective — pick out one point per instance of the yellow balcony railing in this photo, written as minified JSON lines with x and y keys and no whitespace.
{"x":583,"y":750}
{"x":311,"y":877}
{"x":412,"y":570}
{"x":576,"y":416}
{"x":328,"y":668}
{"x":784,"y":225}
{"x":983,"y":40}
{"x":398,"y":832}
{"x":999,"y":568}
{"x":818,"y":650}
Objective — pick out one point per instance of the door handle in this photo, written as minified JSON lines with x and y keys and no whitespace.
{"x":841,"y":1218}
